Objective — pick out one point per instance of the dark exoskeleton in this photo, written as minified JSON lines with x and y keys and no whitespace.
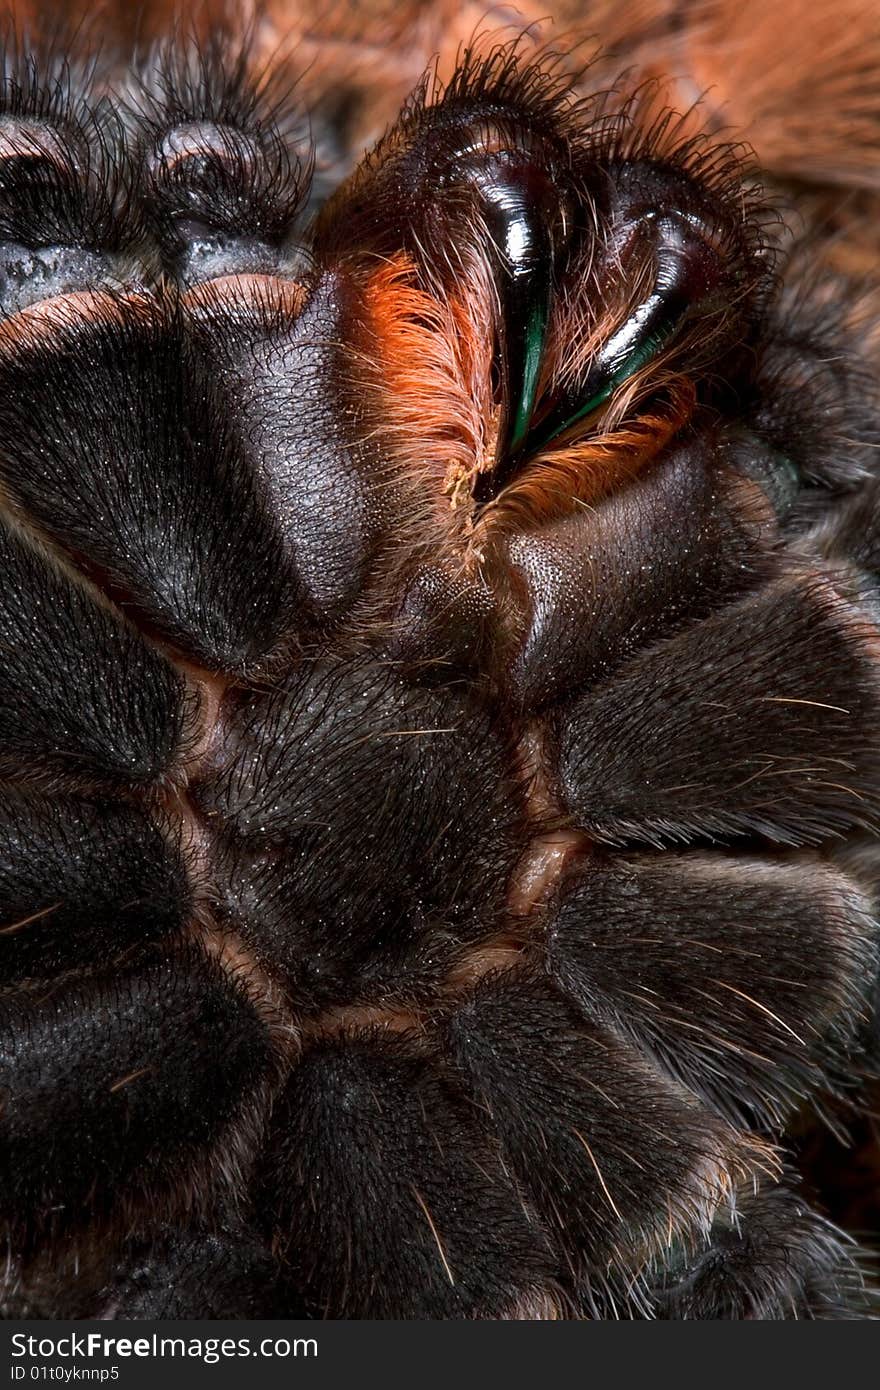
{"x":439,"y":674}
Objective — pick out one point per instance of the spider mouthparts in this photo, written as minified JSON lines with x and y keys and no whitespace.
{"x":518,"y":207}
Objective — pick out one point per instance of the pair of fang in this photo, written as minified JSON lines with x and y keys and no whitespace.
{"x":530,"y":226}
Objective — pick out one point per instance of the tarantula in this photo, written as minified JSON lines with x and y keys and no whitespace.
{"x":440,"y":693}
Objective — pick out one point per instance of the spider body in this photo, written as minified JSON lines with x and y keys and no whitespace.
{"x":440,"y":701}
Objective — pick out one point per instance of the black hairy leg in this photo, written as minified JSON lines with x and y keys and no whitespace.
{"x":440,"y":679}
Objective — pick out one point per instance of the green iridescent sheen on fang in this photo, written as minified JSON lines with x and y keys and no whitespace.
{"x":634,"y":363}
{"x":536,"y":332}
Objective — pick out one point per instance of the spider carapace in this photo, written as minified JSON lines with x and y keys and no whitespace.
{"x":440,"y":675}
